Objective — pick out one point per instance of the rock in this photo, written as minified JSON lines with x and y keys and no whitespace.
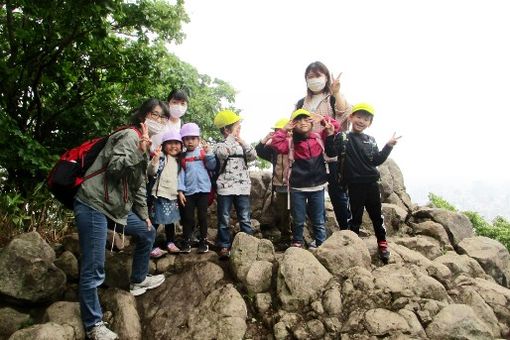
{"x":392,"y":185}
{"x":457,"y":225}
{"x":434,"y":230}
{"x":461,"y":264}
{"x":415,"y":326}
{"x":45,"y":331}
{"x":301,"y":279}
{"x":492,"y":256}
{"x":381,"y":322}
{"x":69,"y":265}
{"x":11,"y":320}
{"x":165,"y":264}
{"x":27,"y":272}
{"x":66,"y":314}
{"x":194,"y":305}
{"x":457,"y":321}
{"x":341,"y":251}
{"x":247,"y":250}
{"x":425,"y":245}
{"x":71,"y":243}
{"x":280,"y":331}
{"x":189,"y":260}
{"x":258,"y":278}
{"x":120,"y":242}
{"x":332,"y":301}
{"x":260,"y":192}
{"x":394,"y":218}
{"x":263,"y":302}
{"x":315,"y":329}
{"x":117,"y":269}
{"x":122,"y":305}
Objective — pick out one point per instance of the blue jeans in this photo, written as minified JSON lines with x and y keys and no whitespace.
{"x":243,"y":211}
{"x":92,"y":227}
{"x":313,"y":202}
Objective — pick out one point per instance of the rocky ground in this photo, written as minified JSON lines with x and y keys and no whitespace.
{"x":442,"y":282}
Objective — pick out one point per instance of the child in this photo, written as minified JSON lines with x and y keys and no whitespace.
{"x":164,"y":168}
{"x":279,"y":182}
{"x":323,"y":97}
{"x":359,"y":158}
{"x":195,"y":185}
{"x":307,"y":173}
{"x":233,"y":184}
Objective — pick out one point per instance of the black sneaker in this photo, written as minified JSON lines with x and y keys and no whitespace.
{"x":202,"y":247}
{"x":186,"y":248}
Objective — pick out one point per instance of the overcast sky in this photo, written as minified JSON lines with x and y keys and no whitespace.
{"x":437,"y":72}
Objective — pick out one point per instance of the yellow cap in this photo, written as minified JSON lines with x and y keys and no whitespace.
{"x":280,"y":123}
{"x":363,"y":107}
{"x":300,"y":112}
{"x":225,"y":117}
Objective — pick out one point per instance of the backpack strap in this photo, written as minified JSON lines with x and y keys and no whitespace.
{"x":200,"y":157}
{"x":321,"y":143}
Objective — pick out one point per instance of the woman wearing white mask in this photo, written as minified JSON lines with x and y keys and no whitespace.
{"x":323,"y":98}
{"x":177,"y":105}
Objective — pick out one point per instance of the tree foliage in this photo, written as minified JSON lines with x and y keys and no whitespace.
{"x":73,"y":69}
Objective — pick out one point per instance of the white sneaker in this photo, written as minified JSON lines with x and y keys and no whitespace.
{"x":101,"y":332}
{"x":150,"y":282}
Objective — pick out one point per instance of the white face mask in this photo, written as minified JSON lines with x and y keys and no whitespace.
{"x":154,"y":127}
{"x":316,"y":84}
{"x":177,"y":110}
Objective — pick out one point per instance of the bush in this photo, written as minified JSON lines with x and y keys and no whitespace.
{"x":499,"y":230}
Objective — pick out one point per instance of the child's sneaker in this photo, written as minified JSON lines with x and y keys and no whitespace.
{"x":224,"y":253}
{"x":296,"y":244}
{"x":157,"y":252}
{"x":150,"y":282}
{"x":202,"y":247}
{"x":384,"y":253}
{"x":186,"y":248}
{"x":172,"y":248}
{"x":100,"y":332}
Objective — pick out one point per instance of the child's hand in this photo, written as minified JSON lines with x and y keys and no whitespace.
{"x":290,"y":126}
{"x":316,"y":118}
{"x":330,"y":129}
{"x":205,"y":146}
{"x":394,"y":139}
{"x":335,"y":84}
{"x":267,"y":137}
{"x":182,"y":198}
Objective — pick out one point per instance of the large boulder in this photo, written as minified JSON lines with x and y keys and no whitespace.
{"x":27,"y":272}
{"x":434,"y":230}
{"x":251,"y":262}
{"x":461,"y":264}
{"x":392,"y":186}
{"x":457,"y":321}
{"x":457,"y":225}
{"x":425,"y":245}
{"x":122,"y":305}
{"x":196,"y":304}
{"x":301,"y":279}
{"x":492,"y":256}
{"x":381,"y":322}
{"x":68,"y":314}
{"x":69,"y":265}
{"x":117,"y":269}
{"x":343,"y":250}
{"x":260,"y":196}
{"x":45,"y":331}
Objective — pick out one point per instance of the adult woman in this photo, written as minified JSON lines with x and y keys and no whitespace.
{"x":117,"y":194}
{"x":323,"y":98}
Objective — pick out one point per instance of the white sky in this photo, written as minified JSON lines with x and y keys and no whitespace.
{"x":437,"y":72}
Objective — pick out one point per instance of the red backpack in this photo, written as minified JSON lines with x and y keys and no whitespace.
{"x":68,"y":174}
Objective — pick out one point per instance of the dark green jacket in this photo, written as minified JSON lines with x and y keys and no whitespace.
{"x":121,"y":187}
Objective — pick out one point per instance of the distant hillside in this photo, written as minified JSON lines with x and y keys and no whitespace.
{"x":489,"y":199}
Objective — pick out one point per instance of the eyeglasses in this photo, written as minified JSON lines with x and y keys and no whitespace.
{"x":154,"y":115}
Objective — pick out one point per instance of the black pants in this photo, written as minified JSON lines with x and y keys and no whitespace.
{"x":170,"y":232}
{"x":338,"y":197}
{"x":366,"y":195}
{"x":200,"y":202}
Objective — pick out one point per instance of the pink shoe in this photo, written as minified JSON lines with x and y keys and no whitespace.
{"x":296,"y":244}
{"x":157,"y":253}
{"x":172,"y":248}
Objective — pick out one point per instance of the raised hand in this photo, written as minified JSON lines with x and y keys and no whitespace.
{"x":335,"y":84}
{"x":267,"y":137}
{"x":394,"y":139}
{"x":205,"y":145}
{"x":145,"y":141}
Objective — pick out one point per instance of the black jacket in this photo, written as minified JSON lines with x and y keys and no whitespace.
{"x":358,"y":155}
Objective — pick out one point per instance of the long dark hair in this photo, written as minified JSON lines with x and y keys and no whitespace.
{"x":148,"y":106}
{"x":318,"y":67}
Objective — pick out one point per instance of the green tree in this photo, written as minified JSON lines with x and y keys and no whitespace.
{"x":72,"y":70}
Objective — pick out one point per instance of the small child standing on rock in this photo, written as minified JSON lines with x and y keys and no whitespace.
{"x":164,"y":169}
{"x":359,"y":157}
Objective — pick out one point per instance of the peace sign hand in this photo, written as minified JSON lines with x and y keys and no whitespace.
{"x":335,"y":84}
{"x":145,"y":141}
{"x":394,"y":139}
